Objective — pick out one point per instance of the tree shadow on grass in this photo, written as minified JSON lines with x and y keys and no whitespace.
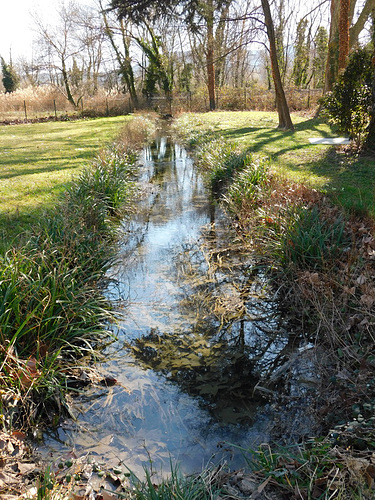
{"x":28,"y":169}
{"x":263,"y":137}
{"x":349,"y":179}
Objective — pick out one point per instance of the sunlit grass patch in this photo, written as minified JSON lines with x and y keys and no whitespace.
{"x":37,"y":162}
{"x":349,"y":180}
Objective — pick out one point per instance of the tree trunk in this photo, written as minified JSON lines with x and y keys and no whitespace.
{"x":344,"y":33}
{"x":127,"y":69}
{"x":370,"y":139}
{"x":210,"y":55}
{"x":124,"y":61}
{"x":333,"y":47}
{"x":285,"y":121}
{"x":69,"y":94}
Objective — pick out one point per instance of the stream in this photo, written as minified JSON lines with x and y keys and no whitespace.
{"x":198,"y":332}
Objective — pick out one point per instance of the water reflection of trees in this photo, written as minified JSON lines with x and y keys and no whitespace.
{"x":230,"y":338}
{"x":233,"y":337}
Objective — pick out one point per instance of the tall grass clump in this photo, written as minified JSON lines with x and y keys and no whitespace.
{"x":220,"y":160}
{"x":176,"y":487}
{"x":52,"y":308}
{"x":248,"y":186}
{"x":309,"y":241}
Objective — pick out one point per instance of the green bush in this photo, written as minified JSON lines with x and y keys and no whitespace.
{"x":348,"y":105}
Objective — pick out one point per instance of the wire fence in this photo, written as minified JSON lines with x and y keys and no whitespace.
{"x":23,"y":107}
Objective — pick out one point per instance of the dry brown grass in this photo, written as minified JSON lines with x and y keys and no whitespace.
{"x":36,"y":102}
{"x":48,"y":100}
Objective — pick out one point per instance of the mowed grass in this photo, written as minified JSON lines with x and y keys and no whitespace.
{"x":38,"y":160}
{"x":348,"y":178}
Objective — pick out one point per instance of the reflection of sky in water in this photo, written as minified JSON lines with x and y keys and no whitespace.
{"x":169,"y":218}
{"x":145,"y":413}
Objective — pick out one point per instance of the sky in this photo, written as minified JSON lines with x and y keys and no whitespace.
{"x":16,"y":24}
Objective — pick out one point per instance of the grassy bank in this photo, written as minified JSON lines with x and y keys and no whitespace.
{"x":37,"y":163}
{"x":52,"y":309}
{"x":347,"y":178}
{"x":318,"y":253}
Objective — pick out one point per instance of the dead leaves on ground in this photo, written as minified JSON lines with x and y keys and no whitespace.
{"x":16,"y":468}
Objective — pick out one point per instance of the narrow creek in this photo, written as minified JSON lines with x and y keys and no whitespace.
{"x":198,"y":332}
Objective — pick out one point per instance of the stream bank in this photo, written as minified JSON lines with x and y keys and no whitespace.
{"x":199,"y":332}
{"x":158,"y":338}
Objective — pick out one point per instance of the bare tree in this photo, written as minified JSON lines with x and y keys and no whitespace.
{"x":285,"y":121}
{"x":120,"y":37}
{"x":60,"y":46}
{"x":91,"y":36}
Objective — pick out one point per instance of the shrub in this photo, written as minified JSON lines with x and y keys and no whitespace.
{"x":348,"y":105}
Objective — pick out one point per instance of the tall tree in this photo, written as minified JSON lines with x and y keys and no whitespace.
{"x":285,"y":121}
{"x":121,"y":46}
{"x":332,"y":57}
{"x":200,"y":16}
{"x":302,"y":55}
{"x":158,"y":72}
{"x":370,"y":139}
{"x":320,"y":56}
{"x":343,"y":34}
{"x":60,"y":47}
{"x":91,"y":36}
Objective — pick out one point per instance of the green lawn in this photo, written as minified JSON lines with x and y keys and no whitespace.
{"x":38,"y":160}
{"x":349,"y":179}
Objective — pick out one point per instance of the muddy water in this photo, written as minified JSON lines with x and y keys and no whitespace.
{"x":197,"y":334}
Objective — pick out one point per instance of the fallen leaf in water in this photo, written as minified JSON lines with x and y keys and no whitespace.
{"x":21,"y":436}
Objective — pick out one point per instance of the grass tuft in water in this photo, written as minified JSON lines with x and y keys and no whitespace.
{"x":176,"y":487}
